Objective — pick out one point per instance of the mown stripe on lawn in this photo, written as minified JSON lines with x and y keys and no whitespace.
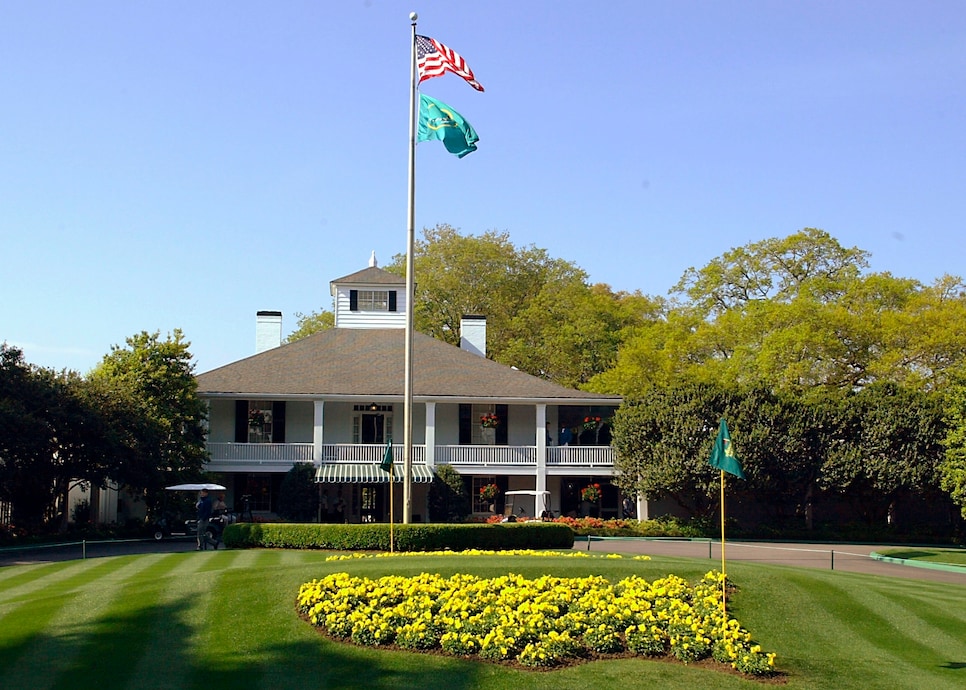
{"x":11,"y":575}
{"x":122,"y":632}
{"x":47,"y":633}
{"x":229,"y":646}
{"x":74,"y":575}
{"x":183,"y":606}
{"x":869,"y":639}
{"x":927,"y":619}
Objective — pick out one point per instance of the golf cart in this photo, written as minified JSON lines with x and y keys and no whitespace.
{"x":171,"y":525}
{"x":526,"y":503}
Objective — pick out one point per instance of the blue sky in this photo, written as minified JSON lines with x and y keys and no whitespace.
{"x":185,"y":164}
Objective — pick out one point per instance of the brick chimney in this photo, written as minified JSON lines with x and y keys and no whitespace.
{"x":473,"y":334}
{"x":268,"y":330}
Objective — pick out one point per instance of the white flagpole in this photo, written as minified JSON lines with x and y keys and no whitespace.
{"x":410,"y":287}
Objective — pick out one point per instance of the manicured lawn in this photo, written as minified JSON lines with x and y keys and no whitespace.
{"x":947,"y":556}
{"x":226,"y":619}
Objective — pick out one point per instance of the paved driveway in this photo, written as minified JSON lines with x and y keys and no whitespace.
{"x":854,"y":558}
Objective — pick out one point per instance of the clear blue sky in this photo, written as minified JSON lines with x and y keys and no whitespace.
{"x":185,"y":164}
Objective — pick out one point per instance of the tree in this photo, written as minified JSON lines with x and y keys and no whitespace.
{"x":569,"y":333}
{"x":774,"y":269}
{"x":953,"y":466}
{"x":156,"y":377}
{"x":888,"y":446}
{"x":27,"y":443}
{"x":306,"y":325}
{"x":542,"y":316}
{"x":56,"y":430}
{"x":795,"y":315}
{"x":448,"y":498}
{"x":663,"y":441}
{"x":298,"y":499}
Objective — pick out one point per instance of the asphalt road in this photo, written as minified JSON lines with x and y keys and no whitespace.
{"x":853,"y":558}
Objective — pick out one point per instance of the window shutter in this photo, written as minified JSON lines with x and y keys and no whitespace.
{"x":353,"y":300}
{"x":241,"y":421}
{"x":392,"y":300}
{"x":466,"y":424}
{"x":501,"y":431}
{"x":278,"y":421}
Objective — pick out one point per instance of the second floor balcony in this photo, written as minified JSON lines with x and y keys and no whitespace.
{"x":234,"y":457}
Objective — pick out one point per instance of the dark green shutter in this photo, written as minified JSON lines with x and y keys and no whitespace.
{"x":278,"y":421}
{"x":241,"y":421}
{"x":502,"y":411}
{"x":353,"y":300}
{"x":466,"y":424}
{"x":392,"y":300}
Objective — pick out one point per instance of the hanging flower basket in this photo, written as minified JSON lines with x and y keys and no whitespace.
{"x":590,"y":493}
{"x":489,"y":421}
{"x":489,"y":492}
{"x":590,"y":423}
{"x":256,"y":419}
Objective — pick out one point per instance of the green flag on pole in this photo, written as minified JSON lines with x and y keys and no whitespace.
{"x":438,"y":121}
{"x":386,"y":464}
{"x":723,"y":453}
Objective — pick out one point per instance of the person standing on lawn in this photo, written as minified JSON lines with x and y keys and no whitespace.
{"x":204,"y":515}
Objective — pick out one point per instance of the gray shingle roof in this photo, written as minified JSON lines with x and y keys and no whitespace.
{"x":364,"y":362}
{"x":371,"y":276}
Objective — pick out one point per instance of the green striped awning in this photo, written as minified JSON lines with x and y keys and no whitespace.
{"x":368,"y":473}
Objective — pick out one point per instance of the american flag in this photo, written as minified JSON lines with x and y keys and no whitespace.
{"x":433,"y":59}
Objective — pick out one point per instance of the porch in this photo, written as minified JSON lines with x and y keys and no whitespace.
{"x":279,"y":457}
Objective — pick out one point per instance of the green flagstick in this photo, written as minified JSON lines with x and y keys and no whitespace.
{"x":723,"y":458}
{"x":386,"y":465}
{"x":724,"y":576}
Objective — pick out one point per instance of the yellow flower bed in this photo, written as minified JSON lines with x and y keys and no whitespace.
{"x":541,"y":622}
{"x":479,"y":552}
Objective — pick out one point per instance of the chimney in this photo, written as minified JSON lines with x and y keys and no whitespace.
{"x":473,"y":334}
{"x":268,"y":330}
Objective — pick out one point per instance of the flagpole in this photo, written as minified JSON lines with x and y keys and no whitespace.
{"x":392,"y":490}
{"x":410,"y":286}
{"x":724,"y":576}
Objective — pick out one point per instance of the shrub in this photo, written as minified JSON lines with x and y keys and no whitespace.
{"x":448,"y":499}
{"x":411,"y":537}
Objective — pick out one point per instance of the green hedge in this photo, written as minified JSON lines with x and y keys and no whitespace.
{"x":411,"y":537}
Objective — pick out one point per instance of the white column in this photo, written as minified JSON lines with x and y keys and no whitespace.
{"x":430,"y":434}
{"x":642,"y":509}
{"x":541,"y":432}
{"x":317,"y":432}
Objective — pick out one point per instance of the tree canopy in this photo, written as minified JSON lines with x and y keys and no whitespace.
{"x":795,"y":314}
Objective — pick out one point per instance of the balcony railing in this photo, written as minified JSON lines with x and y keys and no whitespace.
{"x":224,"y":455}
{"x":487,"y":456}
{"x":265,"y":454}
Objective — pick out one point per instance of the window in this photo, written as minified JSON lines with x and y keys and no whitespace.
{"x":485,"y":435}
{"x":482,"y":505}
{"x":373,"y":300}
{"x":259,"y":421}
{"x":371,"y":423}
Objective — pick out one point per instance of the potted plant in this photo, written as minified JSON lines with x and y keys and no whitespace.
{"x":256,"y":419}
{"x":488,"y":492}
{"x":590,"y":493}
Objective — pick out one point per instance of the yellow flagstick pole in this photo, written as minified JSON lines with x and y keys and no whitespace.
{"x":392,"y":490}
{"x":724,"y":577}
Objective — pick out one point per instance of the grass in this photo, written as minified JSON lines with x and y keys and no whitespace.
{"x":227,"y":619}
{"x":945,"y":556}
